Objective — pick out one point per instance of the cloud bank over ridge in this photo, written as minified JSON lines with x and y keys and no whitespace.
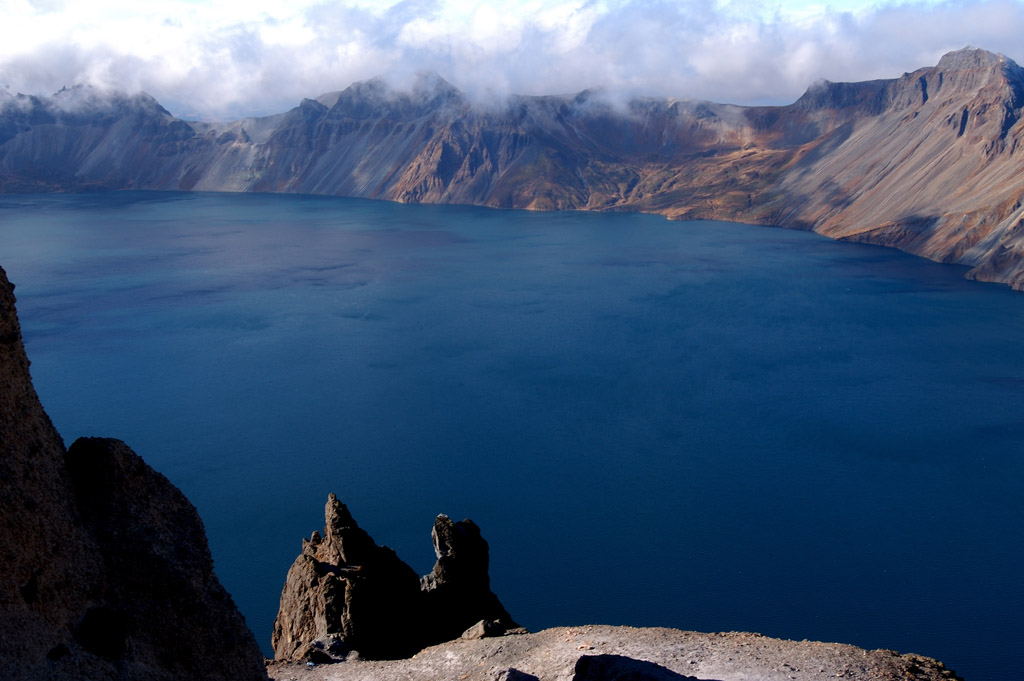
{"x":227,"y":60}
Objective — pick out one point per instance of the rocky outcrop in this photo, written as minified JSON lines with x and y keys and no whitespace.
{"x":457,"y":593}
{"x":928,"y":162}
{"x":601,"y":652}
{"x":344,"y":594}
{"x":106,"y":570}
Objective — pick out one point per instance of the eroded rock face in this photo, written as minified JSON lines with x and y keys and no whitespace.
{"x":106,"y":570}
{"x":161,"y":607}
{"x":457,"y":592}
{"x":345,"y":594}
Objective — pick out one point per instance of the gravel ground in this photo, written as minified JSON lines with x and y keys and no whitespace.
{"x":551,"y":655}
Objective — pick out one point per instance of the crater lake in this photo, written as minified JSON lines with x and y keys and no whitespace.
{"x":700,"y":425}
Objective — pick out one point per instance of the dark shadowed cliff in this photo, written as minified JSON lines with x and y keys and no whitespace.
{"x":928,"y":162}
{"x":106,"y":570}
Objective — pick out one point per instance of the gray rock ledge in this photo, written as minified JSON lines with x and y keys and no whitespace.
{"x":552,"y":655}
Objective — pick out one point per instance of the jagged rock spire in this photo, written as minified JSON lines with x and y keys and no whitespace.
{"x":344,"y":593}
{"x":344,"y":541}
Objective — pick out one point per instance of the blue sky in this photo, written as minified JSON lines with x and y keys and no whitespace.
{"x":229,"y":59}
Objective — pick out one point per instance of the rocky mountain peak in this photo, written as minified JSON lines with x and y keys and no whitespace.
{"x":971,"y":70}
{"x":971,"y":58}
{"x":84,"y":98}
{"x":429,"y":83}
{"x":83,"y":102}
{"x":378,"y":98}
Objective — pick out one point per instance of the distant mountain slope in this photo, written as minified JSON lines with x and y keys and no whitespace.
{"x":938,"y":172}
{"x":929,"y":162}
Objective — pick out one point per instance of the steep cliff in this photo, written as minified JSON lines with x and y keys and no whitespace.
{"x":927,"y":162}
{"x":82,"y":139}
{"x":106,"y":571}
{"x":936,"y":173}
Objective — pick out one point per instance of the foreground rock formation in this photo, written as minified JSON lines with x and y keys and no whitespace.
{"x":592,"y":653}
{"x":106,"y":573}
{"x":928,"y":162}
{"x":345,"y":594}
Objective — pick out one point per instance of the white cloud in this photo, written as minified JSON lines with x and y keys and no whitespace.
{"x":225,"y":59}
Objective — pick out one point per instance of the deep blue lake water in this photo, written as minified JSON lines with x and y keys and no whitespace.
{"x":701,"y":425}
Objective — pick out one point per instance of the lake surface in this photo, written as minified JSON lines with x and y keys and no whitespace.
{"x":701,"y":425}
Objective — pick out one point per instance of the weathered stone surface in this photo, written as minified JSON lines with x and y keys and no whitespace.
{"x":554,"y":654}
{"x":489,"y":628}
{"x":106,"y":571}
{"x":161,"y":608}
{"x":345,"y":586}
{"x":513,"y":674}
{"x":457,"y":592}
{"x":49,"y":562}
{"x":363,"y":598}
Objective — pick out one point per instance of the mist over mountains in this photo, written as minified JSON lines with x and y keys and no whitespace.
{"x":928,"y":162}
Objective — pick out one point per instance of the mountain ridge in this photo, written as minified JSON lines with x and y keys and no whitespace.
{"x":927,"y":162}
